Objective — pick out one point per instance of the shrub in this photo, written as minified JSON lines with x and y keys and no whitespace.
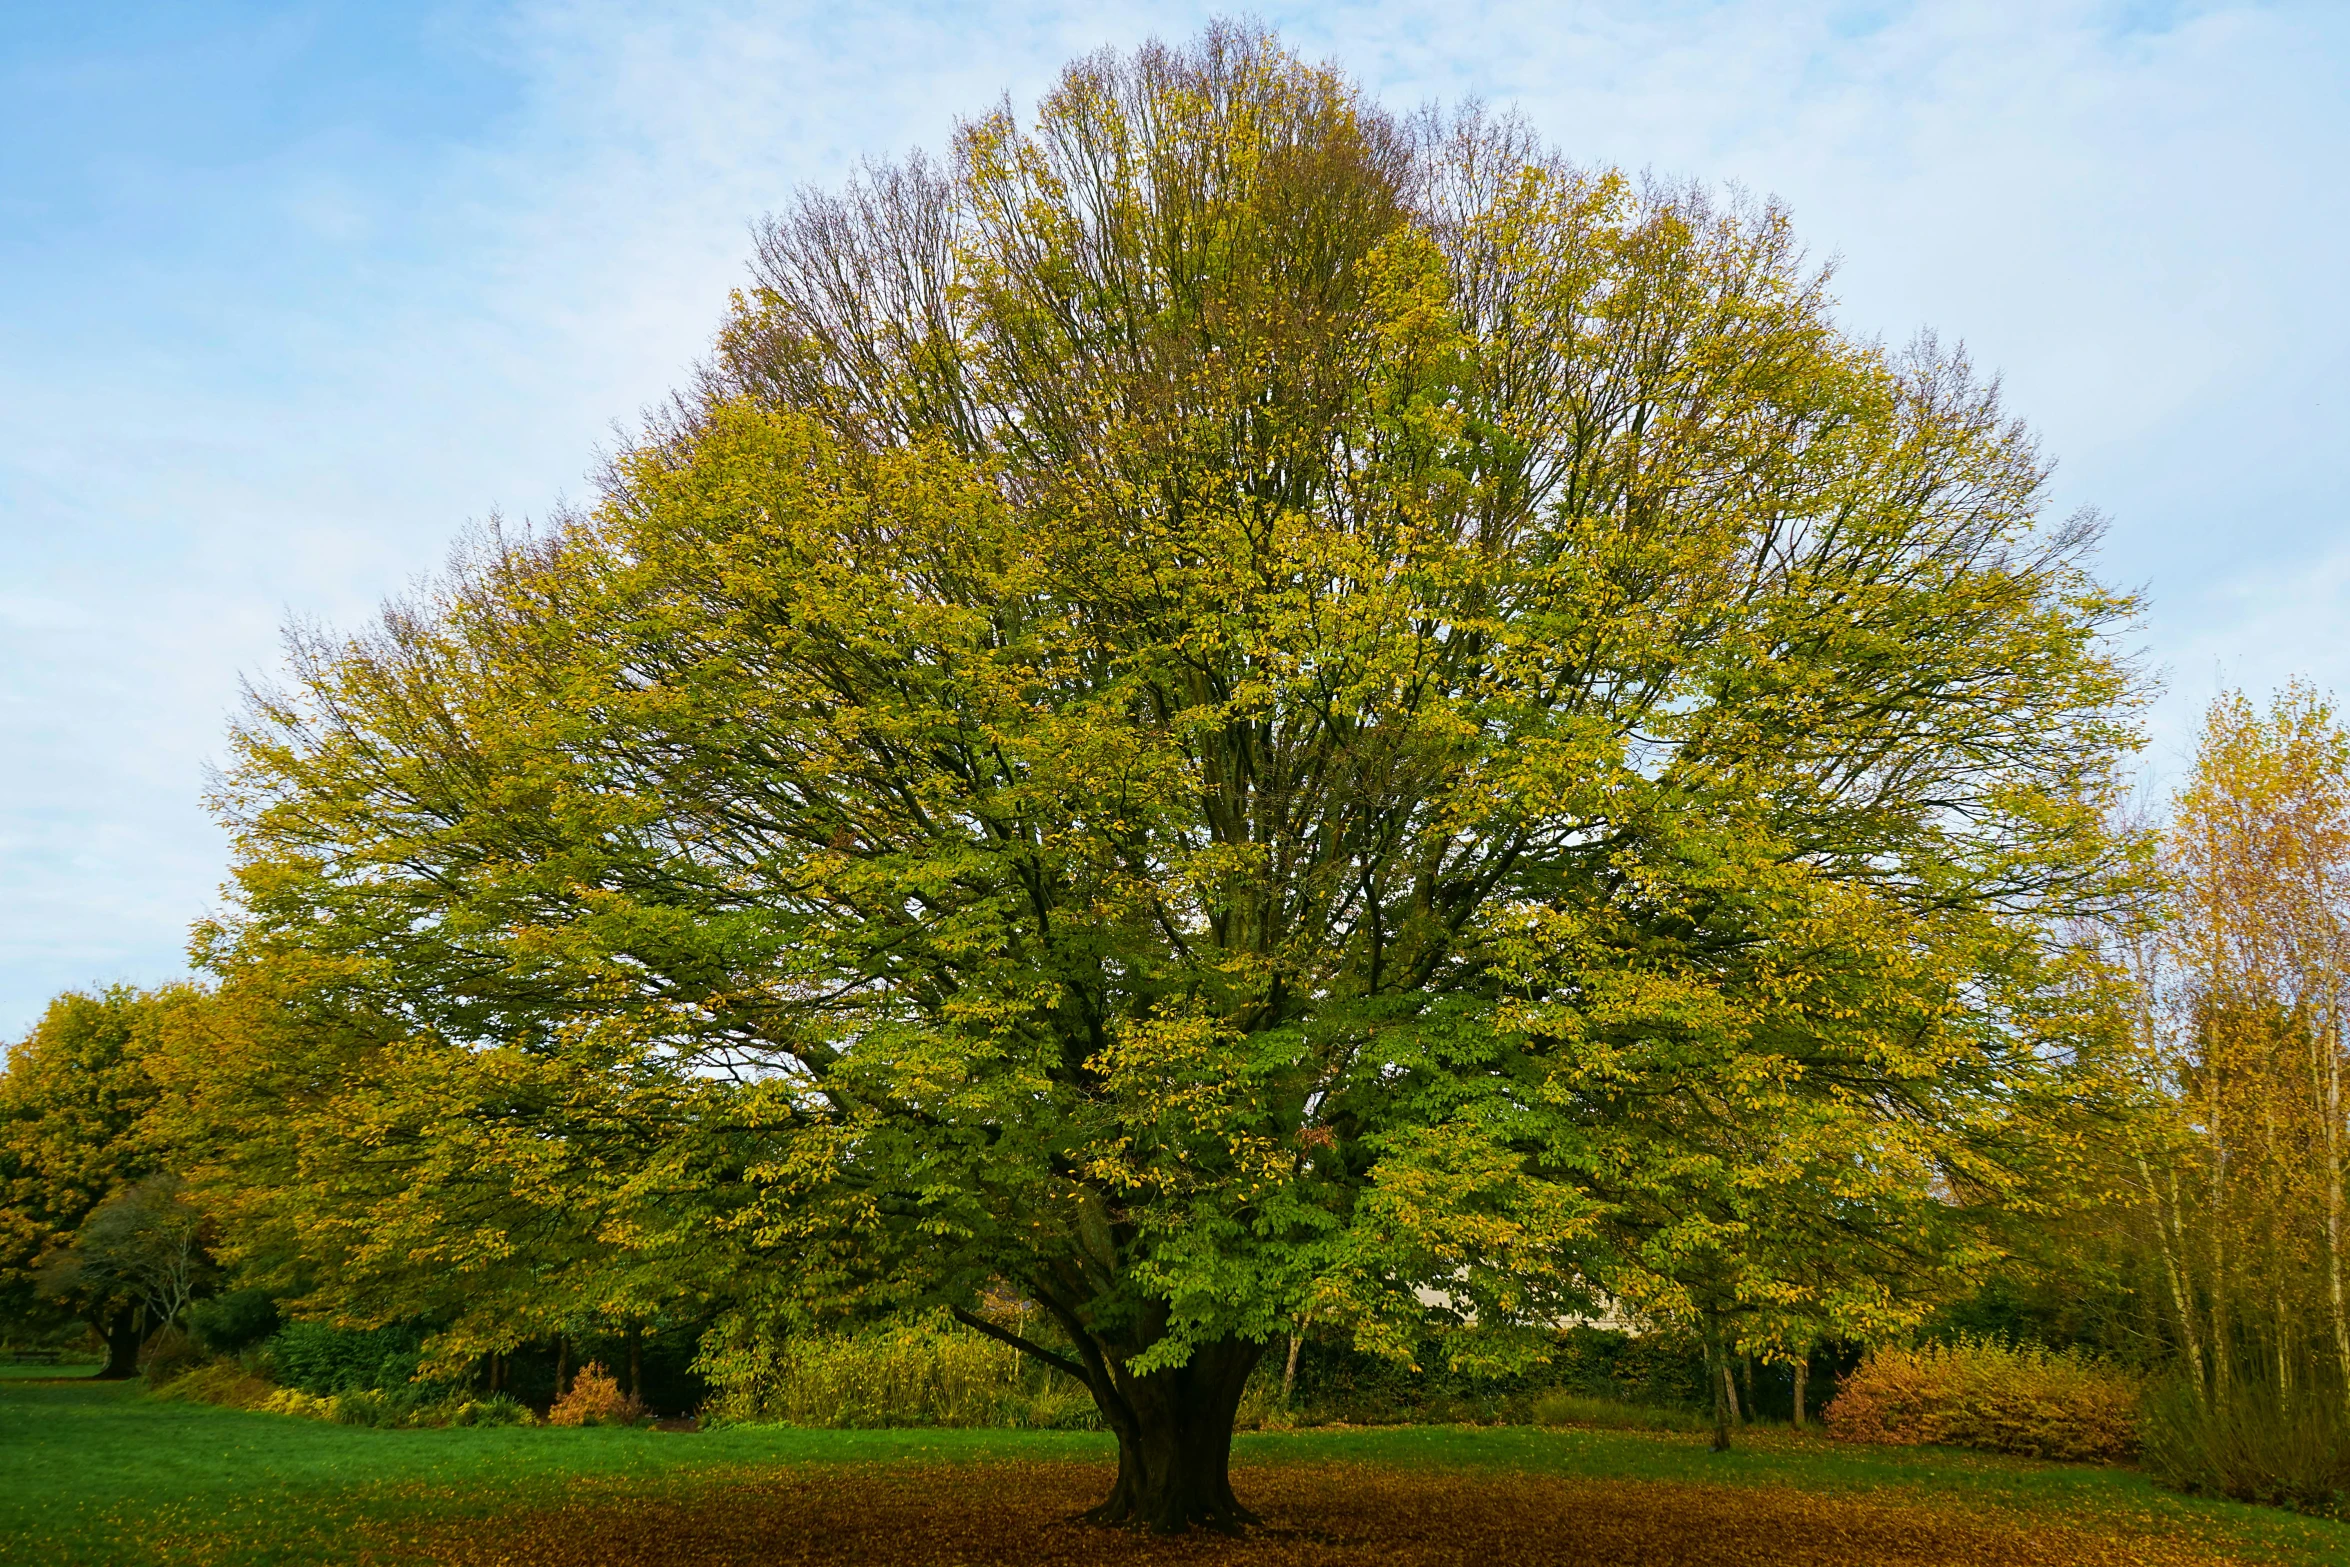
{"x":293,"y":1401}
{"x":2254,"y":1444}
{"x":1660,"y":1368}
{"x":1999,"y":1398}
{"x":234,"y":1386}
{"x":393,"y":1408}
{"x":1659,"y":1374}
{"x":932,"y":1372}
{"x":495,"y":1410}
{"x":595,"y":1399}
{"x":320,"y":1358}
{"x":390,"y":1407}
{"x":924,"y":1373}
{"x":231,"y":1323}
{"x":223,"y":1382}
{"x":168,"y":1356}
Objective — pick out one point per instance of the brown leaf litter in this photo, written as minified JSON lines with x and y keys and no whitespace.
{"x":1320,"y":1515}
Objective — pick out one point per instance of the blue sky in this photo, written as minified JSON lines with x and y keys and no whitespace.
{"x":289,"y":293}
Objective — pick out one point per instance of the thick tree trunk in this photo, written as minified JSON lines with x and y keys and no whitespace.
{"x":121,"y":1328}
{"x":1802,"y":1374}
{"x":1174,"y":1432}
{"x":636,"y":1360}
{"x":1174,"y":1427}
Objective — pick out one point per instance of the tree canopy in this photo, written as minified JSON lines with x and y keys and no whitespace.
{"x":1222,"y":705}
{"x":77,"y":1128}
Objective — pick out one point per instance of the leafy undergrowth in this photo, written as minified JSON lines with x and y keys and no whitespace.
{"x":2254,"y":1442}
{"x":2000,"y":1398}
{"x":1316,"y":1515}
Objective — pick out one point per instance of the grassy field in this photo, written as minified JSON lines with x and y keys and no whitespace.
{"x":95,"y":1473}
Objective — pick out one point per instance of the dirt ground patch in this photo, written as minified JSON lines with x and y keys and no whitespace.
{"x":1315,"y":1516}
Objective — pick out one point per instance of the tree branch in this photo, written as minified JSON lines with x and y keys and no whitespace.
{"x":1059,"y":1362}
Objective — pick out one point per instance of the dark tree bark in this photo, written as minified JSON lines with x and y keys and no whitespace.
{"x":1717,"y":1366}
{"x":123,"y":1338}
{"x":1802,"y":1373}
{"x":562,"y":1364}
{"x":1174,"y":1432}
{"x":636,"y":1360}
{"x":1174,"y":1427}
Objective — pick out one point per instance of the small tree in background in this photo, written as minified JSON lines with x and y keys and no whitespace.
{"x":76,"y":1131}
{"x":2247,"y":1024}
{"x":145,"y":1242}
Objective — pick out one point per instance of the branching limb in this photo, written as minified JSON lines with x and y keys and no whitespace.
{"x":1059,"y":1362}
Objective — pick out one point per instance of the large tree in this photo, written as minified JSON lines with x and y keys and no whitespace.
{"x":1225,"y":705}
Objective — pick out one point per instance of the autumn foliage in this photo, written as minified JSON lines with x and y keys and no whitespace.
{"x":595,"y":1399}
{"x":1995,"y":1397}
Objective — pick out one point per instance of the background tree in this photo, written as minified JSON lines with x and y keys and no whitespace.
{"x":146,"y":1242}
{"x":352,"y":1180}
{"x":74,"y":1131}
{"x":2243,"y":1014}
{"x":1227,"y":706}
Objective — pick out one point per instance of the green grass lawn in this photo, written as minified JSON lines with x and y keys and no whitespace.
{"x":9,"y":1373}
{"x":97,"y":1473}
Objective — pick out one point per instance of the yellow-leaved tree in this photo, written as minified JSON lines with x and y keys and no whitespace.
{"x":2244,"y":996}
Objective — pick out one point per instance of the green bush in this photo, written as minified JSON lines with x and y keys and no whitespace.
{"x":1659,"y":1373}
{"x":233,"y":1386}
{"x":934,"y":1373}
{"x":321,"y":1359}
{"x":415,"y":1405}
{"x":927,"y":1373}
{"x":378,"y":1407}
{"x":2253,"y":1443}
{"x":232,"y":1323}
{"x":1659,"y":1369}
{"x":1995,"y":1397}
{"x":495,"y":1410}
